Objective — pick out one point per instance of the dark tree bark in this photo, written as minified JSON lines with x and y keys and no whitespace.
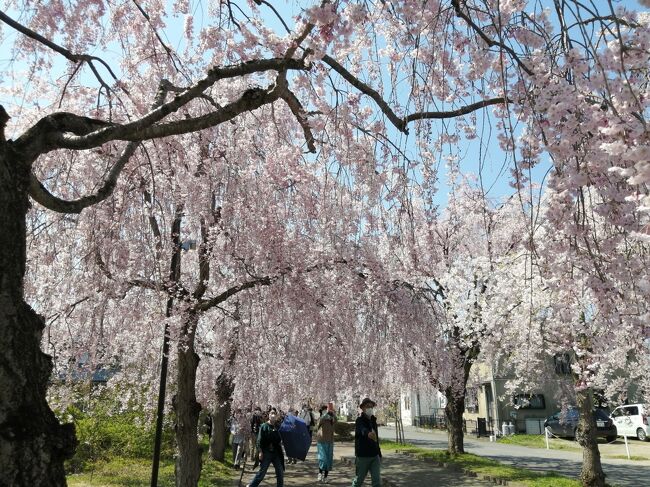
{"x":455,"y":395}
{"x":33,"y":445}
{"x":592,"y":474}
{"x":188,"y":462}
{"x":454,"y":415}
{"x":221,"y":413}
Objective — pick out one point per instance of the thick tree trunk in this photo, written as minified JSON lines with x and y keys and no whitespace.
{"x":454,"y":415}
{"x":188,"y":462}
{"x":592,"y":474}
{"x":33,"y":445}
{"x":220,"y":415}
{"x":455,"y":395}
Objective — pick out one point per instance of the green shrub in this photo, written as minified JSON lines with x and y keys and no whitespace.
{"x":102,"y":436}
{"x":343,"y":430}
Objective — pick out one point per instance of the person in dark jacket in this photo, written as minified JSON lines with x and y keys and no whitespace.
{"x":269,"y":444}
{"x":366,"y":446}
{"x":257,"y":420}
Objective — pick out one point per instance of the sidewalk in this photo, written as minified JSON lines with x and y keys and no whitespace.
{"x":620,"y":472}
{"x":397,"y":471}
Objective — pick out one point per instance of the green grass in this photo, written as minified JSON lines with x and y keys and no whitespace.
{"x":624,"y":457}
{"x":136,"y":472}
{"x":487,"y":467}
{"x":539,"y":441}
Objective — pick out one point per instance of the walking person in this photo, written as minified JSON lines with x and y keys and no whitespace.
{"x":290,"y":414}
{"x":307,"y":415}
{"x":325,"y":442}
{"x":257,"y":420}
{"x":366,"y":446}
{"x":269,"y":444}
{"x":238,"y":438}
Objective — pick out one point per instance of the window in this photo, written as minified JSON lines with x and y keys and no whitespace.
{"x":407,"y":403}
{"x":529,"y":401}
{"x":471,"y":401}
{"x":631,"y":411}
{"x":562,"y":363}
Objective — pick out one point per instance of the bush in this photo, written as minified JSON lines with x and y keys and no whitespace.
{"x":102,"y":436}
{"x":343,"y":430}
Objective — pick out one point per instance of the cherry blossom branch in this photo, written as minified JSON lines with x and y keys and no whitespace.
{"x":205,"y":251}
{"x":490,"y":42}
{"x":267,"y":280}
{"x":75,"y":58}
{"x":43,"y":137}
{"x":82,"y":125}
{"x":298,"y":111}
{"x":41,"y":195}
{"x":277,"y":14}
{"x":402,"y":123}
{"x":167,"y":49}
{"x":206,"y":304}
{"x":136,"y":282}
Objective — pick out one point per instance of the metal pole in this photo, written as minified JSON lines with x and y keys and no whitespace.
{"x":174,"y":276}
{"x":546,"y":435}
{"x":161,"y":399}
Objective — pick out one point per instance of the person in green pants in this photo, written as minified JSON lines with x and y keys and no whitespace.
{"x":366,"y":446}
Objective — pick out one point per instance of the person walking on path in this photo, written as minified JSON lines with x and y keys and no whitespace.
{"x":291,"y":414}
{"x":238,"y":438}
{"x":256,"y":421}
{"x":325,"y":442}
{"x":269,"y":444}
{"x":307,"y":416}
{"x":366,"y":446}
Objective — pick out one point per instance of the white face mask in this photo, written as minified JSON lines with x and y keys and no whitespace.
{"x":369,"y":412}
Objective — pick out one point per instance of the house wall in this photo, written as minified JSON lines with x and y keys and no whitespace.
{"x":419,"y":403}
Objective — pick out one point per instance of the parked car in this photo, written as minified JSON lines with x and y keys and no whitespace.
{"x":632,"y":420}
{"x":565,"y":424}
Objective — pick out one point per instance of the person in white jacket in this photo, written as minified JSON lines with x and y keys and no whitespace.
{"x":307,"y":415}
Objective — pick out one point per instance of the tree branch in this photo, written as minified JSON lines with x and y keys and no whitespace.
{"x":41,"y":195}
{"x":42,"y":137}
{"x":85,"y":125}
{"x":456,"y":113}
{"x":167,"y":49}
{"x":206,"y":304}
{"x":75,"y":58}
{"x":402,"y":123}
{"x":490,"y":42}
{"x":298,"y":111}
{"x":367,"y":90}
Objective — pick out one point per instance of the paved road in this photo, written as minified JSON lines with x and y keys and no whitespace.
{"x":623,"y":473}
{"x":400,"y":470}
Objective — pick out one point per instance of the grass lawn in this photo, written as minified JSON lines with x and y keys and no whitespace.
{"x":485,"y":466}
{"x":136,"y":472}
{"x":539,"y":441}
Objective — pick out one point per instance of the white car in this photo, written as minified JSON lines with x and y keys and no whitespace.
{"x":632,"y":420}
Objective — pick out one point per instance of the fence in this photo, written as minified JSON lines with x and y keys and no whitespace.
{"x":482,"y":426}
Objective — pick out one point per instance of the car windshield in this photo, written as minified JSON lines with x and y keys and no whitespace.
{"x":601,"y":414}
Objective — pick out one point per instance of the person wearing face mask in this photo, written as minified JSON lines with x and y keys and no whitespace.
{"x":325,"y":442}
{"x":269,"y":444}
{"x":366,"y":446}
